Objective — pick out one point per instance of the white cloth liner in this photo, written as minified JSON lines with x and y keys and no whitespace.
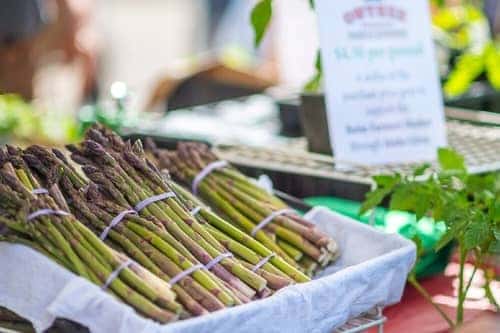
{"x":363,"y":277}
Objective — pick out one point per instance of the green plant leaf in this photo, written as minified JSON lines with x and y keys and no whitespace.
{"x":405,"y":198}
{"x":314,"y":84}
{"x":260,"y":19}
{"x":373,"y":199}
{"x":491,"y":60}
{"x":450,"y":160}
{"x":386,"y":180}
{"x":311,"y":4}
{"x":469,"y":66}
{"x":494,"y":247}
{"x":476,"y":234}
{"x":420,"y":170}
{"x":453,"y":232}
{"x":385,"y":185}
{"x":496,"y":232}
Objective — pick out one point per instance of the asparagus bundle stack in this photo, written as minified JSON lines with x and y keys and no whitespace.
{"x":249,"y":207}
{"x":141,"y":238}
{"x":30,"y":215}
{"x":122,"y":174}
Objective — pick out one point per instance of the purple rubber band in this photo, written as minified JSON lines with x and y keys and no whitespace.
{"x":38,"y":191}
{"x":46,"y":211}
{"x":114,"y":222}
{"x":218,"y":259}
{"x":269,"y":219}
{"x":196,"y":210}
{"x":114,"y":274}
{"x":146,"y":202}
{"x":205,"y":172}
{"x":263,"y":262}
{"x":185,"y":273}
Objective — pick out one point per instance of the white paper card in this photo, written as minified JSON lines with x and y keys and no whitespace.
{"x":382,"y":88}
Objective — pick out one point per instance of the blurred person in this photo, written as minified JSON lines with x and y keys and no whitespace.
{"x":33,"y":31}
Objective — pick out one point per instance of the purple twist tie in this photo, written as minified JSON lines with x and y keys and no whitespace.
{"x":115,"y":221}
{"x":270,"y":218}
{"x":38,"y":191}
{"x":185,"y":273}
{"x":146,"y":202}
{"x":218,"y":259}
{"x":263,"y":262}
{"x":205,"y":172}
{"x":114,"y":274}
{"x":46,"y":211}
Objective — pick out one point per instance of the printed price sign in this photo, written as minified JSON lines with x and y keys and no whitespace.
{"x":382,"y":87}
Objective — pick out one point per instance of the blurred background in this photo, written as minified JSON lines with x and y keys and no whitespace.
{"x":127,"y":62}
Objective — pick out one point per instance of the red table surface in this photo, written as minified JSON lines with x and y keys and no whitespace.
{"x":416,"y":315}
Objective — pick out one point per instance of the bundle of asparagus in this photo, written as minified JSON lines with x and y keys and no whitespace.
{"x":122,"y":179}
{"x":249,"y":207}
{"x":143,"y":238}
{"x":32,"y":215}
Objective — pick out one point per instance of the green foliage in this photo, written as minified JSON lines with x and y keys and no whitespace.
{"x":458,"y":24}
{"x":260,"y":19}
{"x":21,"y":121}
{"x":470,"y":66}
{"x":314,"y":83}
{"x":492,"y":65}
{"x":450,"y":160}
{"x":468,"y":204}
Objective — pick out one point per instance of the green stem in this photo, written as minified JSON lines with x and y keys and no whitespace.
{"x":413,"y":281}
{"x":461,"y":290}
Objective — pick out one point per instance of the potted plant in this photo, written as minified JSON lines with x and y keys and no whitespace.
{"x":468,"y":204}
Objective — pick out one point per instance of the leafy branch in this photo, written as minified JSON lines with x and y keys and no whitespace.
{"x":468,"y":204}
{"x":260,"y":19}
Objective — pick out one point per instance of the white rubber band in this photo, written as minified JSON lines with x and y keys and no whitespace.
{"x":263,"y":262}
{"x":196,"y":210}
{"x":205,"y":172}
{"x":270,"y":218}
{"x":185,"y":273}
{"x":46,"y":211}
{"x":218,"y":259}
{"x":38,"y":191}
{"x":146,"y":202}
{"x":114,"y":222}
{"x":114,"y":274}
